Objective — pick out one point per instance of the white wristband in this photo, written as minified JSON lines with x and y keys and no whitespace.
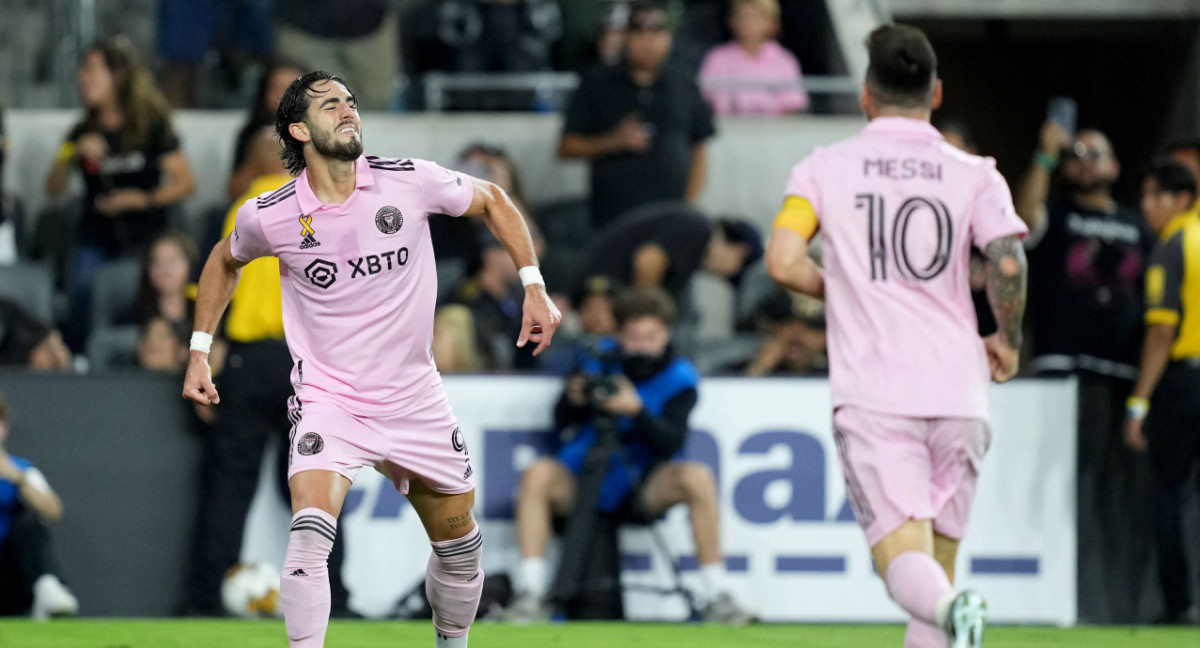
{"x":531,"y":275}
{"x":201,"y":341}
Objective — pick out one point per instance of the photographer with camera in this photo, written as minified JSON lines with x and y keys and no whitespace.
{"x":634,"y":393}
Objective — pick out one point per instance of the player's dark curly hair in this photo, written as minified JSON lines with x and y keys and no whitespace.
{"x":293,"y":108}
{"x":903,"y":67}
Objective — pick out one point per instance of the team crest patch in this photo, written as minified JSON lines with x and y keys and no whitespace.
{"x":389,"y":220}
{"x":458,"y":441}
{"x":310,"y":444}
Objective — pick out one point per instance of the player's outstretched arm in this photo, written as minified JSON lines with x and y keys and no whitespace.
{"x":541,"y":316}
{"x":217,"y":282}
{"x":1007,"y":273}
{"x":788,"y":263}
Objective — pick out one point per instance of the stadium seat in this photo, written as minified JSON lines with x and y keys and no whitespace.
{"x":114,"y":293}
{"x":113,"y":347}
{"x":30,"y":285}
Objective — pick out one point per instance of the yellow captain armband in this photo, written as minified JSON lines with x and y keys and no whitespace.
{"x":798,"y":215}
{"x":65,"y":152}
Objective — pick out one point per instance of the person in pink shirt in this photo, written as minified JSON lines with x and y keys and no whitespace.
{"x":359,"y":288}
{"x":753,"y":75}
{"x":900,"y":209}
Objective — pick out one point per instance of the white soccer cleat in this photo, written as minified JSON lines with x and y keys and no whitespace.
{"x":965,"y":622}
{"x":526,"y":609}
{"x":52,"y":599}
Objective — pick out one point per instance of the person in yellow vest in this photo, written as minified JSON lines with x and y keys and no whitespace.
{"x":255,"y":389}
{"x":1170,"y":373}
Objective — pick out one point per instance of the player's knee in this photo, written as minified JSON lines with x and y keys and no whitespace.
{"x":538,"y":478}
{"x":697,"y":481}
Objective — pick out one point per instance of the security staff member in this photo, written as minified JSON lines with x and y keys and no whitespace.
{"x":1170,"y":372}
{"x":255,"y":390}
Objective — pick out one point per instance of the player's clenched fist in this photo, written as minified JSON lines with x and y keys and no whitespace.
{"x":197,"y":383}
{"x":541,"y":318}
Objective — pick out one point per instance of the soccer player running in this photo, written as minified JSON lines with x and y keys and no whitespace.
{"x":352,"y":239}
{"x":899,"y":209}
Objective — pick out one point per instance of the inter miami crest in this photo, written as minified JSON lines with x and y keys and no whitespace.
{"x":389,"y":220}
{"x":309,"y":239}
{"x":310,"y":444}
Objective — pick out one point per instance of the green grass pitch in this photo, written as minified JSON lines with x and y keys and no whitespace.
{"x":97,"y":633}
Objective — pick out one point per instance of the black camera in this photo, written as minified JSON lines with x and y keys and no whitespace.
{"x":601,"y":387}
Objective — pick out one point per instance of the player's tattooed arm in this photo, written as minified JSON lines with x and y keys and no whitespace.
{"x":1007,"y":274}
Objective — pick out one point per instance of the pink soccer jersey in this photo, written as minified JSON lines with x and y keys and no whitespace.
{"x":359,"y":279}
{"x":773,"y":84}
{"x":899,"y":210}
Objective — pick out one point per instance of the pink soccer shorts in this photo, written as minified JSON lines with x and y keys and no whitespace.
{"x":422,"y":442}
{"x":899,"y":469}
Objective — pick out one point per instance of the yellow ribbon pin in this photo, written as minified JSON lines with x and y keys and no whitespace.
{"x":306,"y":221}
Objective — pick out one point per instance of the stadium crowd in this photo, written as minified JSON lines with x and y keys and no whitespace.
{"x":651,"y":83}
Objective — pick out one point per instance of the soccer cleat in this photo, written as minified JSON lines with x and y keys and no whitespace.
{"x":526,"y":609}
{"x":723,"y":609}
{"x":965,"y":622}
{"x":52,"y":599}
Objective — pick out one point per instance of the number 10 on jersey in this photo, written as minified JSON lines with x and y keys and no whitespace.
{"x":893,"y":243}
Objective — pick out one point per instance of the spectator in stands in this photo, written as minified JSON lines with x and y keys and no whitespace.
{"x":1187,"y":153}
{"x":160,"y":348}
{"x":279,"y":73}
{"x":166,"y":302}
{"x":29,"y":581}
{"x":165,"y":290}
{"x":795,"y":339}
{"x":494,"y":295}
{"x":132,"y":166}
{"x":641,"y":125}
{"x":459,"y":238}
{"x":455,"y":343}
{"x":239,"y":30}
{"x":26,"y":341}
{"x":648,"y":395}
{"x":664,"y":245}
{"x":589,"y":319}
{"x":1087,"y":254}
{"x":753,"y":75}
{"x":357,"y":38}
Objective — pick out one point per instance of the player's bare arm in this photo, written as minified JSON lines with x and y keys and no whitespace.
{"x":1156,"y":355}
{"x":1007,"y":272}
{"x":789,"y":265}
{"x":217,"y":282}
{"x":541,"y":316}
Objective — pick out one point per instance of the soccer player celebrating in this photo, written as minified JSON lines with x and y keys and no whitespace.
{"x":899,"y":209}
{"x":352,"y":238}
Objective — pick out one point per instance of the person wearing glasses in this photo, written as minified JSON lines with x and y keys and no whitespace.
{"x":1087,"y":255}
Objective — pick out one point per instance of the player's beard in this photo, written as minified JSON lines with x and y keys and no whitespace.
{"x":327,"y":144}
